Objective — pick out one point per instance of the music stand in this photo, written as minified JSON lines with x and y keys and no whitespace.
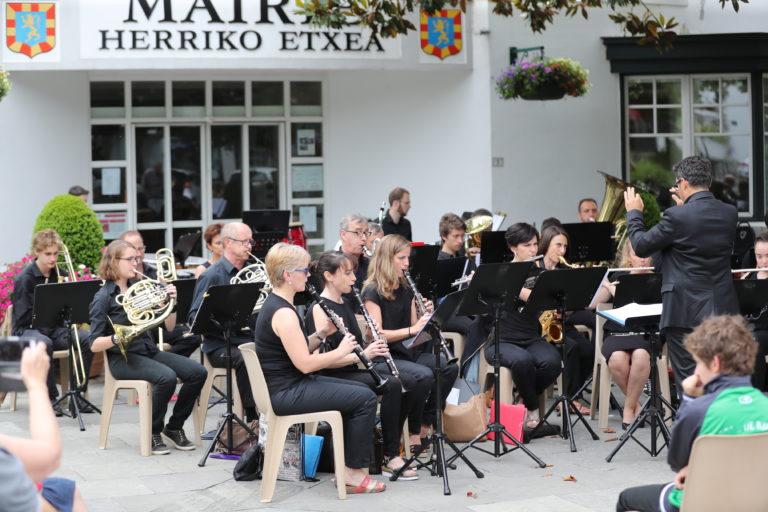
{"x":495,"y":287}
{"x":263,"y":242}
{"x":185,"y":245}
{"x":65,"y":305}
{"x":185,"y":292}
{"x":447,"y":271}
{"x":437,"y":464}
{"x":226,"y":308}
{"x":494,"y":248}
{"x":590,"y":241}
{"x":647,"y":290}
{"x":423,"y":262}
{"x":752,"y":295}
{"x":267,"y":221}
{"x":565,"y":290}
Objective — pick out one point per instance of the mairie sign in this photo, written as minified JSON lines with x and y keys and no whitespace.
{"x":30,"y":27}
{"x":441,"y":32}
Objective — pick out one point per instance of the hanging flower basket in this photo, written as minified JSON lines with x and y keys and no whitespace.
{"x":549,"y":79}
{"x":5,"y":84}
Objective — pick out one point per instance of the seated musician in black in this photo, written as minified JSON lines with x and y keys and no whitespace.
{"x":760,"y":327}
{"x":535,"y":364}
{"x":289,"y":367}
{"x":236,"y":237}
{"x":143,"y":360}
{"x":628,"y":354}
{"x":391,"y":303}
{"x":337,"y":272}
{"x":46,"y":245}
{"x":579,"y":351}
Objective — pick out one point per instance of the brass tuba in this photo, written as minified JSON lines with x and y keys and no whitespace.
{"x":254,"y":273}
{"x":475,"y":228}
{"x":147,"y":305}
{"x":612,"y":208}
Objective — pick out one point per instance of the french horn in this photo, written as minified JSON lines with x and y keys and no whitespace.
{"x":254,"y":273}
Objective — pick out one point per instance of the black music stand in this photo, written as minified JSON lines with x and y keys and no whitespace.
{"x":437,"y":464}
{"x":653,"y":409}
{"x":263,"y":242}
{"x":449,"y":270}
{"x":226,"y":308}
{"x":185,"y":245}
{"x":494,"y":248}
{"x":565,"y":290}
{"x":590,"y":241}
{"x":753,"y":298}
{"x":185,"y":292}
{"x":65,"y":305}
{"x":494,"y":288}
{"x":423,"y":262}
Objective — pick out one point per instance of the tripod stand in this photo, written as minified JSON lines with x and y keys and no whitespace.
{"x":64,"y":305}
{"x":437,"y":464}
{"x":563,"y":290}
{"x":492,"y":284}
{"x":226,"y":308}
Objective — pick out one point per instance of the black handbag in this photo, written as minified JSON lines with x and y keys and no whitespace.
{"x":250,"y":465}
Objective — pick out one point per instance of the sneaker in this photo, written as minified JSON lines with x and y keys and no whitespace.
{"x":178,"y":439}
{"x":158,"y":446}
{"x":208,"y":435}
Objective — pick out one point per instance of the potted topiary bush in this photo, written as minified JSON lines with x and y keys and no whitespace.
{"x":77,"y":226}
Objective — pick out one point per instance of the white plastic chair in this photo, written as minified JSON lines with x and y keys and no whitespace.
{"x":205,"y":392}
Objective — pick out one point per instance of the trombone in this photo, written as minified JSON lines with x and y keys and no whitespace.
{"x":75,"y":352}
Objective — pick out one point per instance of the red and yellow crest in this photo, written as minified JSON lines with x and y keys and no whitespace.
{"x":30,"y":27}
{"x":441,"y":32}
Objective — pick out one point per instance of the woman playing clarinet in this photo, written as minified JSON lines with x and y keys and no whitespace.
{"x":760,"y":327}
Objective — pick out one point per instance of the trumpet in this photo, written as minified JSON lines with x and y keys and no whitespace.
{"x":378,"y":380}
{"x":147,"y":304}
{"x":377,"y":335}
{"x":254,"y":273}
{"x":423,"y":311}
{"x":75,"y":352}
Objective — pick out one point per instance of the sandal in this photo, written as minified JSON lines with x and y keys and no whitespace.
{"x":424,"y":447}
{"x":389,"y":470}
{"x":532,"y":422}
{"x":368,"y":485}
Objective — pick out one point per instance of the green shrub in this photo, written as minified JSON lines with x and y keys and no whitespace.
{"x":651,"y":210}
{"x":77,"y":226}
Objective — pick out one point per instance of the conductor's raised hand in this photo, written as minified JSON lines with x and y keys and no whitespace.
{"x":632,"y":200}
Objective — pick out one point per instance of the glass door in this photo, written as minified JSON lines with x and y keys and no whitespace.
{"x":168,"y":194}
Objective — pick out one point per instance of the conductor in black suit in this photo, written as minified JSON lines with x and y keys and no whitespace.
{"x":695,"y":240}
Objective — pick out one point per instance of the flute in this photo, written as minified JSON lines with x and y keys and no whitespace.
{"x":379,"y":381}
{"x":376,"y":335}
{"x":423,"y":311}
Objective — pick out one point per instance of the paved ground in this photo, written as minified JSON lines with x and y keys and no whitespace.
{"x":118,"y":479}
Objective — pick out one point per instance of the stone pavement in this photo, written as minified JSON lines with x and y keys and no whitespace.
{"x":118,"y":479}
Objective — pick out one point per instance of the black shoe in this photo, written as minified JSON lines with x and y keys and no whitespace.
{"x":158,"y":446}
{"x":178,"y":439}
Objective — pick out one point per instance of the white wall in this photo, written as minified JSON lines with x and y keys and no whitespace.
{"x":44,"y":149}
{"x":551,"y":149}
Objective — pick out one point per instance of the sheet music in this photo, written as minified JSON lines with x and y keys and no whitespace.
{"x":593,"y":304}
{"x":631,"y":310}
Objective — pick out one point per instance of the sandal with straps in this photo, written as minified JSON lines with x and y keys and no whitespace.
{"x":368,"y":485}
{"x":388,"y":470}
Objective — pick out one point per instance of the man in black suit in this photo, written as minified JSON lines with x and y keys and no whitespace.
{"x":694,"y":239}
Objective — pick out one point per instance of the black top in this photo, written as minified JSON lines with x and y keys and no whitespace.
{"x":401,"y":228}
{"x":346,"y":311}
{"x":219,"y":273}
{"x":695,"y":241}
{"x":24,"y":296}
{"x":395,"y":314}
{"x":758,"y":326}
{"x":149,"y":270}
{"x":361,"y":274}
{"x":516,"y":326}
{"x":611,"y":327}
{"x":279,"y":371}
{"x":104,"y":305}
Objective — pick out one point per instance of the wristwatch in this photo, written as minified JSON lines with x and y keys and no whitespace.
{"x":114,"y":340}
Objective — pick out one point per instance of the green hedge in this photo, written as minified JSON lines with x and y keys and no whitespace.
{"x":77,"y":226}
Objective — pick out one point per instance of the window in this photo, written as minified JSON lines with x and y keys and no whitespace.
{"x":668,"y":118}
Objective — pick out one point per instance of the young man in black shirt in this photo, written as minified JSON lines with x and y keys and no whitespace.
{"x":395,"y":221}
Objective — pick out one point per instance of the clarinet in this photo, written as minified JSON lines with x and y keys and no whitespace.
{"x":337,"y":322}
{"x":376,"y":335}
{"x":423,"y":311}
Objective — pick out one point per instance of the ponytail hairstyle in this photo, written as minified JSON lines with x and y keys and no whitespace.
{"x":381,"y":271}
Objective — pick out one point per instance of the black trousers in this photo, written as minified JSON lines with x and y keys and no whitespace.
{"x":179,"y":341}
{"x":759,"y":375}
{"x":646,"y":498}
{"x":682,"y":361}
{"x":58,"y":339}
{"x":579,"y":361}
{"x":218,"y":358}
{"x":449,"y":374}
{"x":418,"y":380}
{"x":162,"y":369}
{"x":535,"y":365}
{"x":355,"y":401}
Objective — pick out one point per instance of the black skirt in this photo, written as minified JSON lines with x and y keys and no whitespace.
{"x":624,"y":342}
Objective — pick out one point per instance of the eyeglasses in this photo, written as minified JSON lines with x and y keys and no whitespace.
{"x":135,"y":260}
{"x":677,"y":182}
{"x":244,"y":241}
{"x":361,"y":234}
{"x":302,"y":270}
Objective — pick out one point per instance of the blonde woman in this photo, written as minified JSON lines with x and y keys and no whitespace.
{"x":287,"y":360}
{"x":391,"y":303}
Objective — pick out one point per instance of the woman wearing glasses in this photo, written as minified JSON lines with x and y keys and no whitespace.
{"x":143,"y":360}
{"x":288,"y":365}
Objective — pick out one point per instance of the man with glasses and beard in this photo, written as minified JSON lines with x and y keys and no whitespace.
{"x":236,"y":238}
{"x":395,"y":221}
